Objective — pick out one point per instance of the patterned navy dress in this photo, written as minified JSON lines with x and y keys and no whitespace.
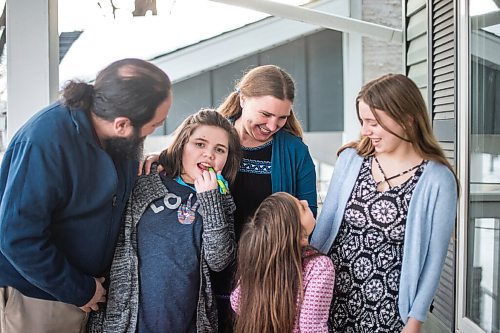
{"x":367,"y":255}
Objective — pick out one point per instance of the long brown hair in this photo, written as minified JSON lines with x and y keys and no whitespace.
{"x":171,"y":158}
{"x":267,"y":80}
{"x":400,"y":98}
{"x":269,"y":269}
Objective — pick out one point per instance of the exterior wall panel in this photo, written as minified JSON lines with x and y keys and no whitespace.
{"x":316,"y":63}
{"x":189,"y":96}
{"x":380,"y":57}
{"x":224,"y":78}
{"x":413,"y":6}
{"x":443,"y":105}
{"x":417,"y":51}
{"x":292,"y":57}
{"x":417,"y":25}
{"x":418,"y":73}
{"x":325,"y":80}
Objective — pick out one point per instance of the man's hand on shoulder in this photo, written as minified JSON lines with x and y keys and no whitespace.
{"x":145,"y":164}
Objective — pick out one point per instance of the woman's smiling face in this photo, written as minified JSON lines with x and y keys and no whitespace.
{"x":262,"y":117}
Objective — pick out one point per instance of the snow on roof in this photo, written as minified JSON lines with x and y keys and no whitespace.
{"x":186,"y":23}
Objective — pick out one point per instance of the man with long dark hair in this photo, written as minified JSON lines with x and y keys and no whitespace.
{"x":64,"y":182}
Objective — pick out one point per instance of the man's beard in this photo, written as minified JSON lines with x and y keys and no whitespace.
{"x":125,"y":148}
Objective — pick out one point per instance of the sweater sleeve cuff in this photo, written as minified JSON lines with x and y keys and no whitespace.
{"x":211,"y":200}
{"x":211,"y":203}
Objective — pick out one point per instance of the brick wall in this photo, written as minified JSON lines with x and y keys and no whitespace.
{"x":381,"y":57}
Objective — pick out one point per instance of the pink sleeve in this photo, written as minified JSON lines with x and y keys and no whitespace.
{"x":235,"y":299}
{"x":319,"y":278}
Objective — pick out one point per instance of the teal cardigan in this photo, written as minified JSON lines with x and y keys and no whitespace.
{"x":292,"y":168}
{"x":430,"y":222}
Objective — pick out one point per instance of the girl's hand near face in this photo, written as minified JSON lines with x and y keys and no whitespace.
{"x":206,"y":181}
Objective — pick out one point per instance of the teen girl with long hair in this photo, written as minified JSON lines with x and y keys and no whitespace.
{"x":389,"y":213}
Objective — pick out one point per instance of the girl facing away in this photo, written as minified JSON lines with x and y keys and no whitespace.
{"x":389,"y":213}
{"x":178,"y":225}
{"x":284,"y":285}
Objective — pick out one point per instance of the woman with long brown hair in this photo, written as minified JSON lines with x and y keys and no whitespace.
{"x":284,"y":285}
{"x":274,"y":156}
{"x":389,"y":213}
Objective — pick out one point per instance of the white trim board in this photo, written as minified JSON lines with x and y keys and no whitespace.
{"x":323,"y":19}
{"x":237,"y":44}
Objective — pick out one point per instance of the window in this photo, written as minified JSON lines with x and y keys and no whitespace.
{"x":483,"y":224}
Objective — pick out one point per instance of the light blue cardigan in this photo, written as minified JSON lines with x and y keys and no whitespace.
{"x":430,"y":222}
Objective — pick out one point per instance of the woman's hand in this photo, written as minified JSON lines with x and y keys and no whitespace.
{"x":206,"y":181}
{"x":145,"y":164}
{"x":412,"y":326}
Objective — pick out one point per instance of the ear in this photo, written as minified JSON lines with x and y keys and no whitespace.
{"x":408,"y":123}
{"x":242,"y":100}
{"x":122,"y":126}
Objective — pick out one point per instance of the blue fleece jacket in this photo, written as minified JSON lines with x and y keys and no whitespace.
{"x":430,"y":222}
{"x":292,"y":168}
{"x":62,"y":198}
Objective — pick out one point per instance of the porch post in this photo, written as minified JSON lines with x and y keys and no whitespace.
{"x":32,"y":59}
